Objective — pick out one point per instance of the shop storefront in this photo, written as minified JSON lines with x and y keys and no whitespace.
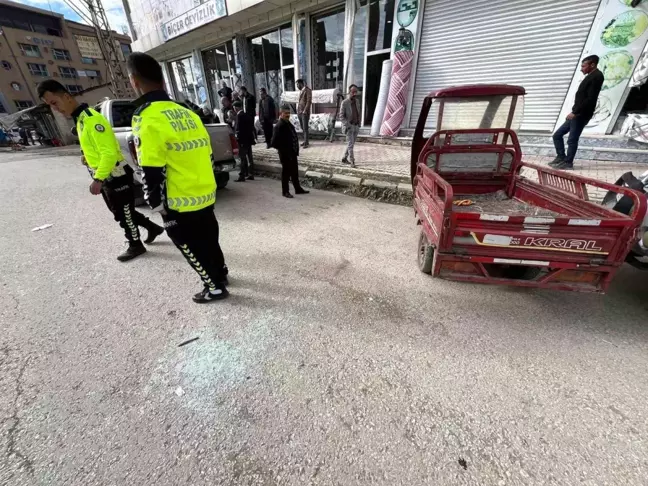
{"x":273,"y":61}
{"x":372,"y":35}
{"x":536,"y":44}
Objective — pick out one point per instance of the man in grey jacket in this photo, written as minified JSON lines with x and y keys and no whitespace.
{"x":304,"y":108}
{"x":350,"y":116}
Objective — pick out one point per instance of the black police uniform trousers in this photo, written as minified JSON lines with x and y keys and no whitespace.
{"x":195,"y":233}
{"x":119,"y":195}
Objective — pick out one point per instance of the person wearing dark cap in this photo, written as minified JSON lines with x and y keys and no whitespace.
{"x":284,"y":139}
{"x":174,"y":151}
{"x":244,"y":129}
{"x":111,"y":176}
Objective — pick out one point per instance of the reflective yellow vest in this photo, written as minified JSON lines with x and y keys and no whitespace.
{"x":99,"y":145}
{"x":169,"y":136}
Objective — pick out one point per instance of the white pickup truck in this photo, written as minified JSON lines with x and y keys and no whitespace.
{"x":223,"y":142}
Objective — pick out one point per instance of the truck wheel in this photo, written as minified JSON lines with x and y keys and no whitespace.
{"x":425,"y":254}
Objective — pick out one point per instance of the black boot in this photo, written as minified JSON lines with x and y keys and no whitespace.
{"x":153,"y":232}
{"x":210,"y":295}
{"x":134,"y":250}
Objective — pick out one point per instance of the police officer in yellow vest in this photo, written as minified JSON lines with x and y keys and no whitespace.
{"x":112,"y":176}
{"x":174,"y":151}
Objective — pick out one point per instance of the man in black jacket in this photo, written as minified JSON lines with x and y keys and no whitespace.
{"x":284,"y":139}
{"x":244,"y":128}
{"x":582,"y":112}
{"x":267,"y":115}
{"x":249,"y":101}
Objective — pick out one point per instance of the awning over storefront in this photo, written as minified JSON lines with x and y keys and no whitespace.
{"x":9,"y":121}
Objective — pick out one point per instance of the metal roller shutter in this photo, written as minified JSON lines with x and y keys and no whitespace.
{"x":536,"y":44}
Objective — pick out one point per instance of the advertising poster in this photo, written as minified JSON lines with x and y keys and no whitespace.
{"x":618,"y":37}
{"x":88,"y":46}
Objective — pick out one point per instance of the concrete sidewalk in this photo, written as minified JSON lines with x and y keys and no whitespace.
{"x":392,"y":163}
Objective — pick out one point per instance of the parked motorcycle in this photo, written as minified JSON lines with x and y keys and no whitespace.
{"x":623,"y":204}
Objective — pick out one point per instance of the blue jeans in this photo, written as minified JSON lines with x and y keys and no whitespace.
{"x":574,"y":127}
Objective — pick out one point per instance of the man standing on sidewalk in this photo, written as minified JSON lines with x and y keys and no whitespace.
{"x":249,"y":102}
{"x":284,"y":139}
{"x":304,"y":108}
{"x":174,"y":151}
{"x":267,"y":115}
{"x":244,"y":128}
{"x":111,"y":176}
{"x":350,"y":116}
{"x":582,"y":112}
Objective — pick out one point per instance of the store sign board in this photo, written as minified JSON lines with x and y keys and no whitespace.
{"x":194,"y":18}
{"x":36,"y":40}
{"x":88,"y":46}
{"x":618,"y":36}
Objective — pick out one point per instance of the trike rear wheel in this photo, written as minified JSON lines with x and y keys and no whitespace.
{"x":425,"y":254}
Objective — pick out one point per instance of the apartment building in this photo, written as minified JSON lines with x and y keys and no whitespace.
{"x":37,"y":44}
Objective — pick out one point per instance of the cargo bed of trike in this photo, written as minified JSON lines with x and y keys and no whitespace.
{"x":537,"y":230}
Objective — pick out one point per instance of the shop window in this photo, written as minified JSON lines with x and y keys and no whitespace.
{"x":220,"y":66}
{"x":182,"y":72}
{"x":287,"y":57}
{"x":30,"y":50}
{"x":381,"y":16}
{"x":68,"y":72}
{"x":328,"y":50}
{"x":273,"y":58}
{"x":61,"y":54}
{"x":6,"y":65}
{"x":88,"y":60}
{"x":23,"y":104}
{"x":267,"y":63}
{"x":37,"y":69}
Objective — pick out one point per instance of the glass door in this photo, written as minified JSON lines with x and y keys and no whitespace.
{"x":219,"y":68}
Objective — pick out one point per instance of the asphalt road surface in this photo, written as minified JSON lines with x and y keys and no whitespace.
{"x":334,"y":361}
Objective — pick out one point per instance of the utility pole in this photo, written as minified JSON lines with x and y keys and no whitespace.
{"x":109,"y":47}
